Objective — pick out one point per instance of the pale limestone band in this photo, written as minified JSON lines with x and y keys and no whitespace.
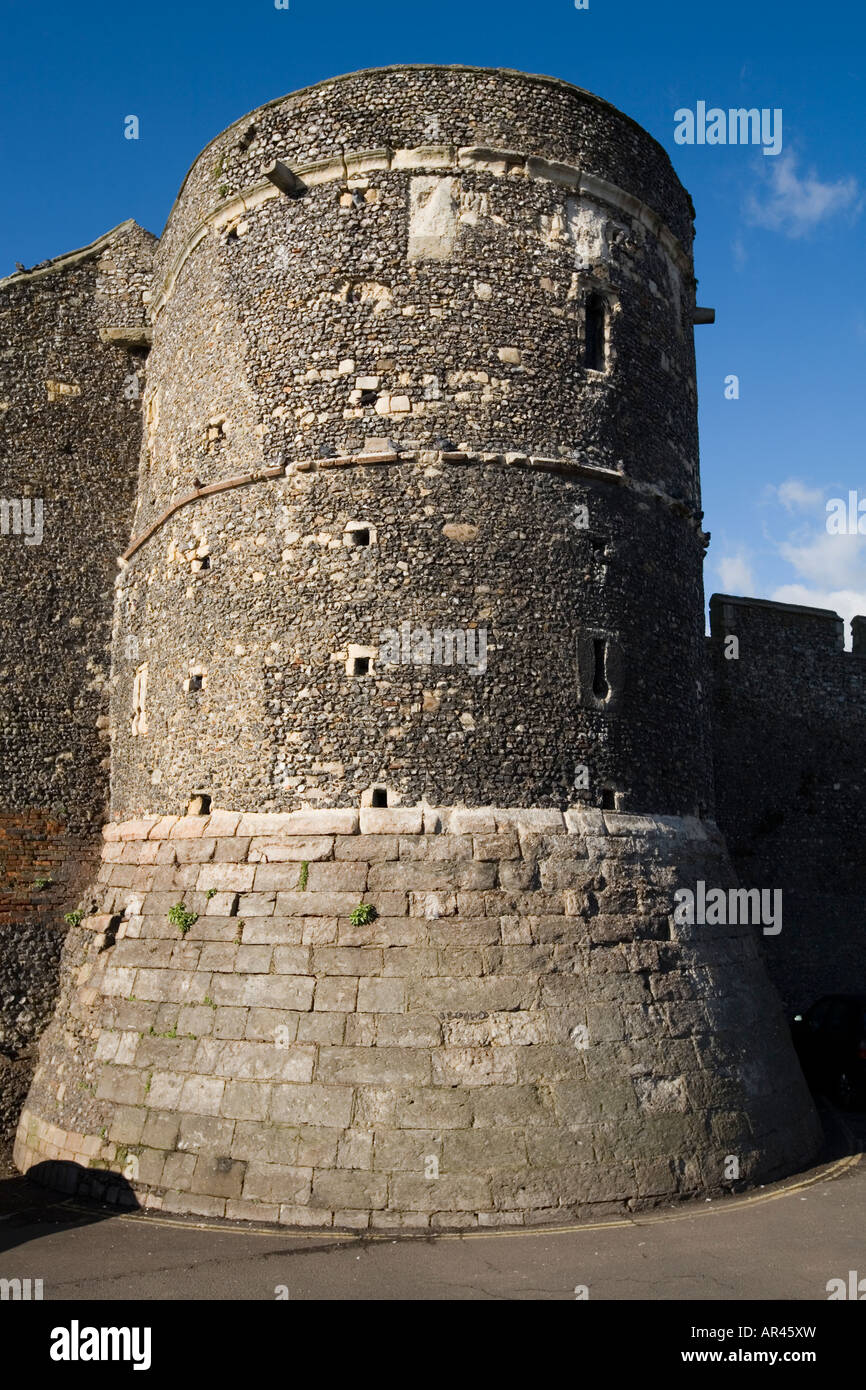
{"x":405,"y":820}
{"x":501,"y":163}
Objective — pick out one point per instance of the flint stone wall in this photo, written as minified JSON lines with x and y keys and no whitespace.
{"x":69,"y":439}
{"x":407,"y":339}
{"x":790,"y":766}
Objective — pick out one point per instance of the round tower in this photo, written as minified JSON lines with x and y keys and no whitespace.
{"x":460,"y":317}
{"x":409,"y":745}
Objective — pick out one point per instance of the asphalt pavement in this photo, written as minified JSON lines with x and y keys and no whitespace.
{"x":781,"y":1242}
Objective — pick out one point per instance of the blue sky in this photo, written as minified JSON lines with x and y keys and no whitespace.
{"x":780,"y":245}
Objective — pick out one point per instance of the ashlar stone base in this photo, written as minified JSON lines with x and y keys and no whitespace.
{"x":412,"y":1018}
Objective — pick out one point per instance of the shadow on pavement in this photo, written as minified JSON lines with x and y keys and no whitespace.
{"x":45,"y":1197}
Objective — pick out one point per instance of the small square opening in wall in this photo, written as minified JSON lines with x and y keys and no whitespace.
{"x":360,"y":660}
{"x":608,"y":799}
{"x":359,"y":534}
{"x":194,"y":684}
{"x":199,"y":804}
{"x":379,"y":796}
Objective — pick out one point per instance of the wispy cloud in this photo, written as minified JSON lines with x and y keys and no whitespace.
{"x":796,"y":204}
{"x":830,"y":562}
{"x":848,"y":603}
{"x":830,"y":570}
{"x":736,"y":575}
{"x":824,"y":570}
{"x":797,"y":497}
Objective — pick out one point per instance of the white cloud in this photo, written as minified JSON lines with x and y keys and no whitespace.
{"x":848,"y":603}
{"x":831,"y":572}
{"x":735,"y":574}
{"x":795,"y":496}
{"x":829,"y":562}
{"x":796,"y":205}
{"x":826,"y":571}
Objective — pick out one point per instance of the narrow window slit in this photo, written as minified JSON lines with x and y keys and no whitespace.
{"x":600,"y":687}
{"x":594,"y":342}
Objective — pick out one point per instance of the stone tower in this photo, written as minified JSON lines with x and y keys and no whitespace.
{"x":409,"y":734}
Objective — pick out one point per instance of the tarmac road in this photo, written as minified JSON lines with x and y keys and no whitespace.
{"x":782,"y":1242}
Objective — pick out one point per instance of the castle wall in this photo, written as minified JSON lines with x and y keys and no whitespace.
{"x":790,"y":769}
{"x":69,"y":440}
{"x":431,"y":378}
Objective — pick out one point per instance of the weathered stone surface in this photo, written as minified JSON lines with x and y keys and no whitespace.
{"x":525,"y":1039}
{"x":512,"y":975}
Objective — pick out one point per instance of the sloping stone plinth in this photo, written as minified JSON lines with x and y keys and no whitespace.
{"x":522,"y":1034}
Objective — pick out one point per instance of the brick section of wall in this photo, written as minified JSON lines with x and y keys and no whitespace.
{"x":521,"y":1033}
{"x":35,"y":849}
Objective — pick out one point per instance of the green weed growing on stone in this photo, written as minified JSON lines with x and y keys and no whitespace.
{"x":304,"y":874}
{"x":74,"y":919}
{"x":209,"y":1002}
{"x":363,"y":914}
{"x":181,"y":917}
{"x":41,"y":883}
{"x":211,"y":893}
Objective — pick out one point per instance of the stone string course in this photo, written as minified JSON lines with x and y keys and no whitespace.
{"x":515,"y":458}
{"x":500,"y":163}
{"x":522,"y":1018}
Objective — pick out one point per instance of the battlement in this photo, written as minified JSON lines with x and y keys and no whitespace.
{"x":819,"y":627}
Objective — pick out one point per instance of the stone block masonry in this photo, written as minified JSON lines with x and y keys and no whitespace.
{"x":518,"y":1033}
